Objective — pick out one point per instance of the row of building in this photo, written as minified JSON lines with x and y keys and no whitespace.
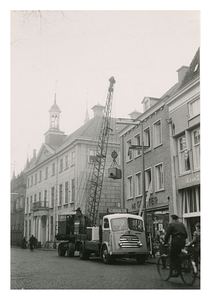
{"x":56,"y":181}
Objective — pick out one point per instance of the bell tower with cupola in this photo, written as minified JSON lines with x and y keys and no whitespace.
{"x":54,"y":136}
{"x":54,"y":115}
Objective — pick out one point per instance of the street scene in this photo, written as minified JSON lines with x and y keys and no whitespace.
{"x":46,"y":270}
{"x":105,"y":189}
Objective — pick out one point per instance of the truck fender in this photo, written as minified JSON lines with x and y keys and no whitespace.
{"x":101,"y":248}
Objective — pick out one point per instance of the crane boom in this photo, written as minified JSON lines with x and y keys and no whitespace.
{"x":99,"y":164}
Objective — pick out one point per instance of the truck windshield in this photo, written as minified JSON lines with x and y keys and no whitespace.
{"x":127,"y":223}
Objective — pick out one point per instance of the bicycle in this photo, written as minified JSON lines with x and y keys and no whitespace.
{"x":188,"y":270}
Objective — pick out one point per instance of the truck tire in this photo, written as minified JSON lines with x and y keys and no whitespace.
{"x":61,"y":250}
{"x":70,"y":249}
{"x":83,"y":253}
{"x":106,"y":255}
{"x":140,"y":259}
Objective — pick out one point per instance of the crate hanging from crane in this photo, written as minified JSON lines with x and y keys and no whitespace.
{"x":114,"y":172}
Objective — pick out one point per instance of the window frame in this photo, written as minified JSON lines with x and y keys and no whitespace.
{"x":147,"y":129}
{"x":138,"y":184}
{"x":157,"y":143}
{"x":196,"y":162}
{"x":129,"y":152}
{"x":138,"y":152}
{"x":190,"y":108}
{"x":130,"y":187}
{"x":158,"y":189}
{"x":181,"y":155}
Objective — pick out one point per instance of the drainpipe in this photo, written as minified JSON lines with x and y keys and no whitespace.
{"x":174,"y":192}
{"x":55,"y":202}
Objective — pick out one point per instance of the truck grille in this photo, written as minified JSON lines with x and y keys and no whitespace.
{"x":129,"y":241}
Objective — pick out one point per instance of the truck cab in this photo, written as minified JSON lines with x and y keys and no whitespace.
{"x":123,"y":235}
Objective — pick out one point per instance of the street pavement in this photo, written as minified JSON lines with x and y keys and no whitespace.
{"x":44,"y":269}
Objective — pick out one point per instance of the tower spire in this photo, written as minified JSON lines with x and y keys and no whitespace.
{"x":86,"y":115}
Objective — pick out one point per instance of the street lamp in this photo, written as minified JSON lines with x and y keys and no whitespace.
{"x":136,"y":147}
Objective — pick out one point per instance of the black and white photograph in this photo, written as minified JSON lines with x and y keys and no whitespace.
{"x":105,"y":183}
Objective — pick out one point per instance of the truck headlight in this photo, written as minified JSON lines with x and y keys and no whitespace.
{"x":139,"y":243}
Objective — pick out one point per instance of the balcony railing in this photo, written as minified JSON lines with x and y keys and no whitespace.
{"x":40,"y":205}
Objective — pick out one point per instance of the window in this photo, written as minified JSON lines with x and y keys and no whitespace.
{"x":138,"y":142}
{"x":61,"y":165}
{"x":129,"y":153}
{"x":53,"y":169}
{"x":28,"y":182}
{"x":194,"y":108}
{"x":147,"y":137}
{"x":31,"y":180}
{"x":27,"y":206}
{"x":30,"y":205}
{"x":73,"y":190}
{"x":184,"y":161}
{"x":196,"y":148}
{"x":106,"y":223}
{"x":92,"y":155}
{"x":66,"y":192}
{"x":157,"y":133}
{"x":35,"y":179}
{"x":148,"y":178}
{"x":35,"y":198}
{"x":40,"y":179}
{"x":45,"y":198}
{"x":73,"y":158}
{"x":60,"y":194}
{"x":130,"y":187}
{"x":39,"y":196}
{"x":146,"y":104}
{"x":191,"y":200}
{"x":29,"y":227}
{"x":66,"y":161}
{"x":159,"y":177}
{"x":51,"y":226}
{"x":46,"y":172}
{"x":138,"y":184}
{"x":52,"y":197}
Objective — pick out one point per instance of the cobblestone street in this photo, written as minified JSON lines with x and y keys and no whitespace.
{"x":46,"y":270}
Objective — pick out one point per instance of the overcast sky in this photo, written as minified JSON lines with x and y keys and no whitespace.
{"x":81,"y":50}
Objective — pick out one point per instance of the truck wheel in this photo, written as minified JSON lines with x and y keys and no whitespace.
{"x":70,"y":249}
{"x":106,"y":256}
{"x":140,"y":259}
{"x":61,"y":251}
{"x":83,"y":253}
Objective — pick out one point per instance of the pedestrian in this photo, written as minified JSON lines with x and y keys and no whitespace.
{"x":196,"y":243}
{"x":23,"y":243}
{"x":32,"y":242}
{"x":161,"y":239}
{"x":178,"y":233}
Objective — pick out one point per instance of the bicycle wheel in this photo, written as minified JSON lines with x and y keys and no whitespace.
{"x":188,"y":273}
{"x":163,"y":266}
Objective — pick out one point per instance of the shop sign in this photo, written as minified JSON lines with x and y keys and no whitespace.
{"x":188,"y":180}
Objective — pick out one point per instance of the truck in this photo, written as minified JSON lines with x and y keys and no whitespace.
{"x":121,"y":235}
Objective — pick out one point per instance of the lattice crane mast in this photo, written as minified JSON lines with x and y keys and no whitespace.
{"x":99,"y":164}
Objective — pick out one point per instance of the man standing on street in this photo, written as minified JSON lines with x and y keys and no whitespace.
{"x":32,"y":242}
{"x":178,"y":234}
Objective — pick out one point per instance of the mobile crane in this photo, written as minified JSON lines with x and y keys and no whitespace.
{"x":120,"y":234}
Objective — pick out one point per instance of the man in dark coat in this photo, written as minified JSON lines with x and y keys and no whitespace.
{"x":178,"y":234}
{"x":32,"y":242}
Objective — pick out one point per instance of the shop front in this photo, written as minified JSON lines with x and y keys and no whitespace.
{"x":189,"y":206}
{"x":157,"y":224}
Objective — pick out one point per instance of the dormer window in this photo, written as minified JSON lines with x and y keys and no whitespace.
{"x":146,"y":104}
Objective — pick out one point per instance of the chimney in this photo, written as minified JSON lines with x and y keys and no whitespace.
{"x":135,"y":114}
{"x":34,"y":153}
{"x":181,"y":73}
{"x":98,"y":110}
